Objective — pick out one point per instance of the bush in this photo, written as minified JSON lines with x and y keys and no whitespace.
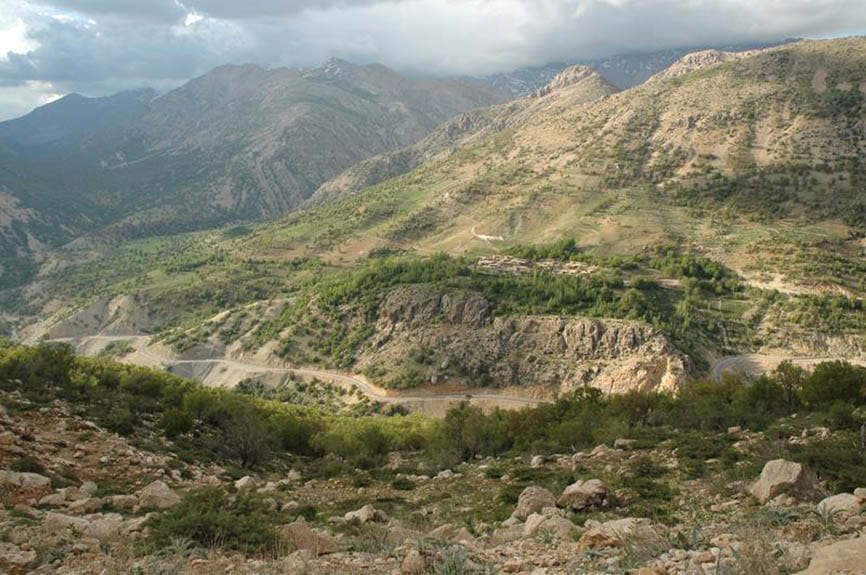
{"x":402,"y":484}
{"x":834,"y":381}
{"x":27,"y":465}
{"x":210,"y":518}
{"x":176,"y":422}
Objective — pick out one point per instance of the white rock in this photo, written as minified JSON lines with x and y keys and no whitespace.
{"x":366,"y":514}
{"x":246,"y":483}
{"x":777,"y":477}
{"x":841,"y":503}
{"x":158,"y":495}
{"x":582,"y":495}
{"x":537,"y":461}
{"x":532,"y":500}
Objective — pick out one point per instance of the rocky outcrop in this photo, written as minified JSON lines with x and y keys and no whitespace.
{"x":466,"y":341}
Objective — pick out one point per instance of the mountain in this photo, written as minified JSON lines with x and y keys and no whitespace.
{"x":571,"y":87}
{"x":239,"y":143}
{"x":762,"y":136}
{"x":633,"y":238}
{"x":622,"y":70}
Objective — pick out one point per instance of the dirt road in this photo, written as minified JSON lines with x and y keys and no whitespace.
{"x":756,"y":364}
{"x":226,"y":372}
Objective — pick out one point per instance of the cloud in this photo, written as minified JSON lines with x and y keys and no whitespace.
{"x":100,"y":46}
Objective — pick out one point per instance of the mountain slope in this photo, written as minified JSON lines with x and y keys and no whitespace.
{"x":572,"y":87}
{"x":238,"y":143}
{"x":773,"y":135}
{"x":715,"y":207}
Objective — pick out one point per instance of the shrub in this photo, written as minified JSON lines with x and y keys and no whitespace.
{"x":834,"y":381}
{"x":27,"y":465}
{"x":210,"y":518}
{"x":176,"y":422}
{"x":403,"y":484}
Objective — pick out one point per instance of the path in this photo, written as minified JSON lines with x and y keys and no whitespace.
{"x":756,"y":364}
{"x":146,"y":355}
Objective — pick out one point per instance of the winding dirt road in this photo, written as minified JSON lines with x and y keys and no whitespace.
{"x":228,"y":372}
{"x":755,"y":364}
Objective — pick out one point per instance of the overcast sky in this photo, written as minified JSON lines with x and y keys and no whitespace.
{"x":53,"y":47}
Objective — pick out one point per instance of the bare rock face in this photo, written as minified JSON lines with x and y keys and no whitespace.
{"x":777,"y":477}
{"x":158,"y":495}
{"x":533,"y":500}
{"x":583,"y":495}
{"x":562,"y":353}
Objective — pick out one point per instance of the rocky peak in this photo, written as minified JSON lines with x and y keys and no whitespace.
{"x":699,"y":61}
{"x":568,"y":77}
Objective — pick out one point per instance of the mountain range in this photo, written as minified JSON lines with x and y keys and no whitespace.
{"x":239,"y":143}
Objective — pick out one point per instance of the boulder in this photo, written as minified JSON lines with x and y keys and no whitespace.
{"x":413,"y":563}
{"x":446,"y":474}
{"x":559,"y":526}
{"x":842,"y":557}
{"x":305,"y":538}
{"x":537,"y":461}
{"x":104,"y":527}
{"x":158,"y":495}
{"x":624,"y":443}
{"x":616,"y":532}
{"x":366,"y":514}
{"x":54,"y":499}
{"x":122,"y":501}
{"x":532,"y":500}
{"x":841,"y":503}
{"x":14,"y":560}
{"x":25,"y":481}
{"x":246,"y":483}
{"x":451,"y":533}
{"x":777,"y":477}
{"x":55,"y":522}
{"x":584,"y":495}
{"x":84,"y":506}
{"x":88,"y":487}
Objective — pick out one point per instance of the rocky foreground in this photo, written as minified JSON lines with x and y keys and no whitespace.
{"x":78,"y":499}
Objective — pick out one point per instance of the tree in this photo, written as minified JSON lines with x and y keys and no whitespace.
{"x":791,"y":377}
{"x":834,"y":381}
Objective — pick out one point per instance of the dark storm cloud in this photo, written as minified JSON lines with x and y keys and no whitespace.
{"x":99,"y":46}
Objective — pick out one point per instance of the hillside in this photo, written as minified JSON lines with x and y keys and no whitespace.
{"x":110,"y":467}
{"x":636,"y":237}
{"x":725,"y":152}
{"x":239,"y":143}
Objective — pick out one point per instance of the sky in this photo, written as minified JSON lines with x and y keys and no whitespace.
{"x":49,"y":48}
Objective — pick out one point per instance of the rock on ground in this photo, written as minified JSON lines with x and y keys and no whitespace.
{"x":158,"y":495}
{"x":583,"y":495}
{"x":777,"y":477}
{"x":532,"y":500}
{"x":305,"y":538}
{"x":848,"y":557}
